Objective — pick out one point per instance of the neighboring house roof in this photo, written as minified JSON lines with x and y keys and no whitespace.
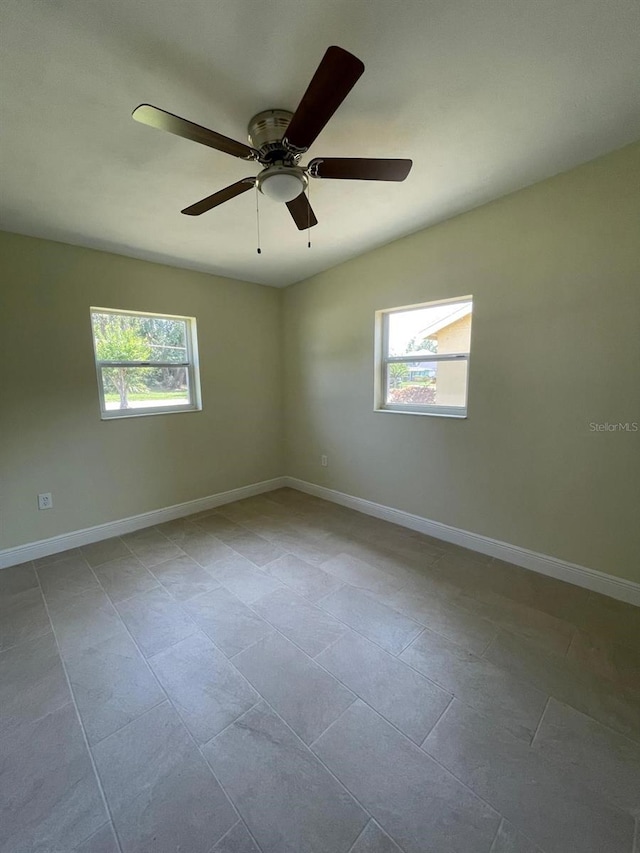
{"x":455,"y":313}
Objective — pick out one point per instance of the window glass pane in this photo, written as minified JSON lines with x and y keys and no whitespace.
{"x":437,"y":329}
{"x":139,"y":388}
{"x":167,"y":338}
{"x":124,"y":337}
{"x":427,"y":383}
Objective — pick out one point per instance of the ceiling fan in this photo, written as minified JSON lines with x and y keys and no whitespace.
{"x":279,"y":138}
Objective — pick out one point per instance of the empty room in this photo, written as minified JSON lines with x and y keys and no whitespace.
{"x":320,"y":427}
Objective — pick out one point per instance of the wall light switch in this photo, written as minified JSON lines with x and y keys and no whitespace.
{"x":324,"y":460}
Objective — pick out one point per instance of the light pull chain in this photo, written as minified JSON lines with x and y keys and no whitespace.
{"x":259,"y":250}
{"x":309,"y":215}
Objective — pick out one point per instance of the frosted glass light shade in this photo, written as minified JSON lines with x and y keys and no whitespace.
{"x":282,"y":187}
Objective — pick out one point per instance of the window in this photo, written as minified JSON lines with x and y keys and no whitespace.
{"x":147,"y":364}
{"x":422,"y":358}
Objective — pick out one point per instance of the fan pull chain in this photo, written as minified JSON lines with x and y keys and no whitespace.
{"x":309,"y":215}
{"x":259,"y":250}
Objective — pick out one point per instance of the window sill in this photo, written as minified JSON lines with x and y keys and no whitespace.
{"x":119,"y":414}
{"x":456,"y":416}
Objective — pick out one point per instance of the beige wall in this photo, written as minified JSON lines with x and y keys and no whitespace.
{"x":51,"y":435}
{"x":554,"y":271}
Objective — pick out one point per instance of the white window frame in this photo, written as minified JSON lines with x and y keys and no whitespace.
{"x":382,"y":359}
{"x":191,"y":365}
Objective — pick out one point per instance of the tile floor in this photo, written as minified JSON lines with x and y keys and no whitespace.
{"x":288,"y":676}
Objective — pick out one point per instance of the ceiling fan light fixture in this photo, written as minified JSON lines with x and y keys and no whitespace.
{"x":281,"y":183}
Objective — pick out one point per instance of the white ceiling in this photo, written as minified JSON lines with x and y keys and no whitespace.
{"x":485,"y":97}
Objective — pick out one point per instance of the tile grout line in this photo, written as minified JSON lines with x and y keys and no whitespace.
{"x":132,"y":720}
{"x":384,"y":832}
{"x":331,"y":724}
{"x":239,"y":717}
{"x":544,"y":711}
{"x":250,"y":646}
{"x":326,"y":648}
{"x":161,"y":585}
{"x":120,"y":539}
{"x":26,"y":640}
{"x":572,"y":638}
{"x":449,"y":703}
{"x":235,"y":719}
{"x":360,"y":834}
{"x":133,"y":595}
{"x":239,"y":822}
{"x":89,"y":837}
{"x":489,"y":642}
{"x":464,"y":784}
{"x":80,"y":722}
{"x":135,"y":719}
{"x":45,"y":715}
{"x":571,"y":641}
{"x":413,"y":640}
{"x":495,"y":837}
{"x":504,"y":822}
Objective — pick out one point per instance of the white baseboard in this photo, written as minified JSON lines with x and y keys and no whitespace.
{"x":623,"y":590}
{"x":77,"y":538}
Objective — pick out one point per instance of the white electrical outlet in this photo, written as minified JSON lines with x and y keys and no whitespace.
{"x":45,"y":501}
{"x":324,"y":460}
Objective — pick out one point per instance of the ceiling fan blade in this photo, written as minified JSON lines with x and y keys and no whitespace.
{"x":359,"y":169}
{"x":154,"y":117}
{"x":220,"y":197}
{"x":335,"y":77}
{"x":301,"y":211}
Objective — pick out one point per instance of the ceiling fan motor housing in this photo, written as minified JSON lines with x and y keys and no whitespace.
{"x":283,"y":179}
{"x":265,"y":135}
